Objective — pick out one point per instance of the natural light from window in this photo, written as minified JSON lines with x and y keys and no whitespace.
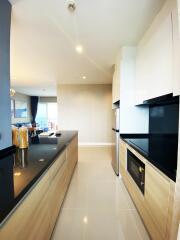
{"x":46,"y":117}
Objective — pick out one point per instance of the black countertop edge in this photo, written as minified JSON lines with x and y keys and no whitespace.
{"x":15,"y":203}
{"x":133,"y":135}
{"x":145,"y":135}
{"x":145,"y":155}
{"x":7,"y":151}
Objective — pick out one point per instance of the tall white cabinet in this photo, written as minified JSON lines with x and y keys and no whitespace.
{"x":132,"y":119}
{"x":176,"y":50}
{"x":156,"y":74}
{"x":116,"y":84}
{"x":116,"y":80}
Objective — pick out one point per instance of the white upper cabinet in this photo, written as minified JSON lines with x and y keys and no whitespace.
{"x":116,"y":83}
{"x":176,"y":51}
{"x":154,"y":63}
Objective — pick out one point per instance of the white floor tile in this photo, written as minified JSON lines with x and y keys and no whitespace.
{"x":97,"y":205}
{"x":70,"y":225}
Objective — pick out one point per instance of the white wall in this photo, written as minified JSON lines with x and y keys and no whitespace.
{"x":23,"y":98}
{"x":88,"y":109}
{"x":48,"y":99}
{"x":132,"y":119}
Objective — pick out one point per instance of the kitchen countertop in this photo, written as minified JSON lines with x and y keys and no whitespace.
{"x":17,"y":179}
{"x":159,"y":149}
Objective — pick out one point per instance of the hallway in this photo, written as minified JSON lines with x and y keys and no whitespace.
{"x":97,"y":205}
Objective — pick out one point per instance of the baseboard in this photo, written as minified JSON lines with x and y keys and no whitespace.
{"x":90,"y":144}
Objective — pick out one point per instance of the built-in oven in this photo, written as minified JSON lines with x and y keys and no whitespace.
{"x":136,"y":169}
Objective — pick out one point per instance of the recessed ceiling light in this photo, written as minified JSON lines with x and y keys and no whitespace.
{"x":85,"y":220}
{"x":84,"y":77}
{"x":79,"y":49}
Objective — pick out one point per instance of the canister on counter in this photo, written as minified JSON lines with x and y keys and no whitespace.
{"x":23,"y":138}
{"x":15,"y":136}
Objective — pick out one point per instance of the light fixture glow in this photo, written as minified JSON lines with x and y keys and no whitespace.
{"x":17,"y":174}
{"x":85,"y":220}
{"x":84,"y":77}
{"x":12,"y":92}
{"x":79,"y":49}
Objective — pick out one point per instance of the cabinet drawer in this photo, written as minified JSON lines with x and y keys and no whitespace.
{"x":57,"y":165}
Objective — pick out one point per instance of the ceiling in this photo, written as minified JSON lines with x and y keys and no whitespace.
{"x":44,"y":35}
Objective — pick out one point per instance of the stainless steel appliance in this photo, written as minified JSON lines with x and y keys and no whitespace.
{"x":115,"y":140}
{"x":136,"y":169}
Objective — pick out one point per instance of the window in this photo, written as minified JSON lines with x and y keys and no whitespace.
{"x":46,"y":117}
{"x":52,"y":115}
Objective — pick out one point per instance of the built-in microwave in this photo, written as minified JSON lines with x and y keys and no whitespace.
{"x":136,"y":169}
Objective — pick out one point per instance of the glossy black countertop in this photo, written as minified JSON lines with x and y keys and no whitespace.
{"x":159,"y":149}
{"x":17,"y":177}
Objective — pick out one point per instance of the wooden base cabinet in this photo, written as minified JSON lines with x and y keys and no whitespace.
{"x":157,"y":198}
{"x":72,"y":155}
{"x":31,"y":219}
{"x":155,"y":206}
{"x":57,"y":191}
{"x":36,"y":216}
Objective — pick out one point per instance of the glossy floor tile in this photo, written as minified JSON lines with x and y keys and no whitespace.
{"x":97,"y":205}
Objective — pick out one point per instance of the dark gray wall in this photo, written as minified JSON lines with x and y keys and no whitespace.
{"x":5,"y":110}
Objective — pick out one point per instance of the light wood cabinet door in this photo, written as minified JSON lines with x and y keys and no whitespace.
{"x":72,"y":155}
{"x":61,"y":180}
{"x":179,"y":232}
{"x":122,"y":156}
{"x":154,"y":75}
{"x":31,"y":219}
{"x":57,"y":192}
{"x":157,"y":198}
{"x":176,"y":52}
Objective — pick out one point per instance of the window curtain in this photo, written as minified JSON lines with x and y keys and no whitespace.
{"x":34,"y":106}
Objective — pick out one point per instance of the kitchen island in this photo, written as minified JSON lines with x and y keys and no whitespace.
{"x":33,"y":184}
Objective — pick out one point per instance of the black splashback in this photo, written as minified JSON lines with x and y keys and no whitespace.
{"x":164,"y":117}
